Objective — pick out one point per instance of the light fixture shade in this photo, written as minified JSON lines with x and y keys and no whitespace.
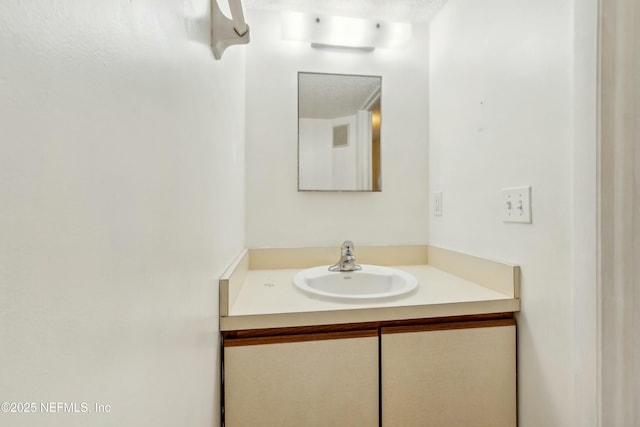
{"x":343,"y":31}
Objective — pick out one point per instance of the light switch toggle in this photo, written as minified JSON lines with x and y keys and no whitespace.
{"x":516,"y":202}
{"x":437,"y":203}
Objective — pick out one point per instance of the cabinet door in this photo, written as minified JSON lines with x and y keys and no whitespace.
{"x":329,"y":381}
{"x":449,"y":377}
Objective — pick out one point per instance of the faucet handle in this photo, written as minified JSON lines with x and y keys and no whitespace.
{"x":347,"y":259}
{"x":347,"y":247}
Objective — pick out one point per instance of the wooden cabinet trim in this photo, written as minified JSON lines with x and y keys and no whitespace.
{"x":360,"y":330}
{"x":280,"y":339}
{"x":448,"y":326}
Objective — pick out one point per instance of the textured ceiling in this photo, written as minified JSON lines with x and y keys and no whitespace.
{"x":388,"y":10}
{"x":327,"y":96}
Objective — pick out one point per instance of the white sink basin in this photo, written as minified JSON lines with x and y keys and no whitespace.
{"x":372,"y":282}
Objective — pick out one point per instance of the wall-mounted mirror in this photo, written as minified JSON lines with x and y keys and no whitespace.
{"x":339,"y":132}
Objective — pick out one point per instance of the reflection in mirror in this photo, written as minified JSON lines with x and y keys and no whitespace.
{"x":338,"y":132}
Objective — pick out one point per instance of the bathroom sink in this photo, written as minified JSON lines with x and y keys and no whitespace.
{"x":371,"y":282}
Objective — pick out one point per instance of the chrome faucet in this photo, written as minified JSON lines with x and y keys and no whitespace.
{"x":347,"y":259}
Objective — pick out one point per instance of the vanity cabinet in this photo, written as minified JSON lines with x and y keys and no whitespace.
{"x":444,"y":372}
{"x":452,"y":374}
{"x":317,"y":379}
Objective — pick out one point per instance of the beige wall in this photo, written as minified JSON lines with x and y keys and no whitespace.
{"x":512,"y":103}
{"x":121,"y":182}
{"x":280,"y":216}
{"x":620,"y":213}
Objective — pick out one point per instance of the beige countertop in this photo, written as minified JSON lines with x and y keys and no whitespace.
{"x":262,"y":297}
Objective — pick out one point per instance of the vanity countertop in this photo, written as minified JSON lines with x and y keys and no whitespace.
{"x":258,"y":293}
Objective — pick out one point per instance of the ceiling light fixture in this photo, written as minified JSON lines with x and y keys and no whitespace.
{"x":343,"y":32}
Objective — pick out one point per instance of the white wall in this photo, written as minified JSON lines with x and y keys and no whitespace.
{"x":121,"y":182}
{"x":502,"y":114}
{"x":279,"y":215}
{"x":344,"y":173}
{"x":316,"y":162}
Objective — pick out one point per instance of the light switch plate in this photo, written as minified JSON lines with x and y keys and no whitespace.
{"x":437,"y":203}
{"x":516,"y":204}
